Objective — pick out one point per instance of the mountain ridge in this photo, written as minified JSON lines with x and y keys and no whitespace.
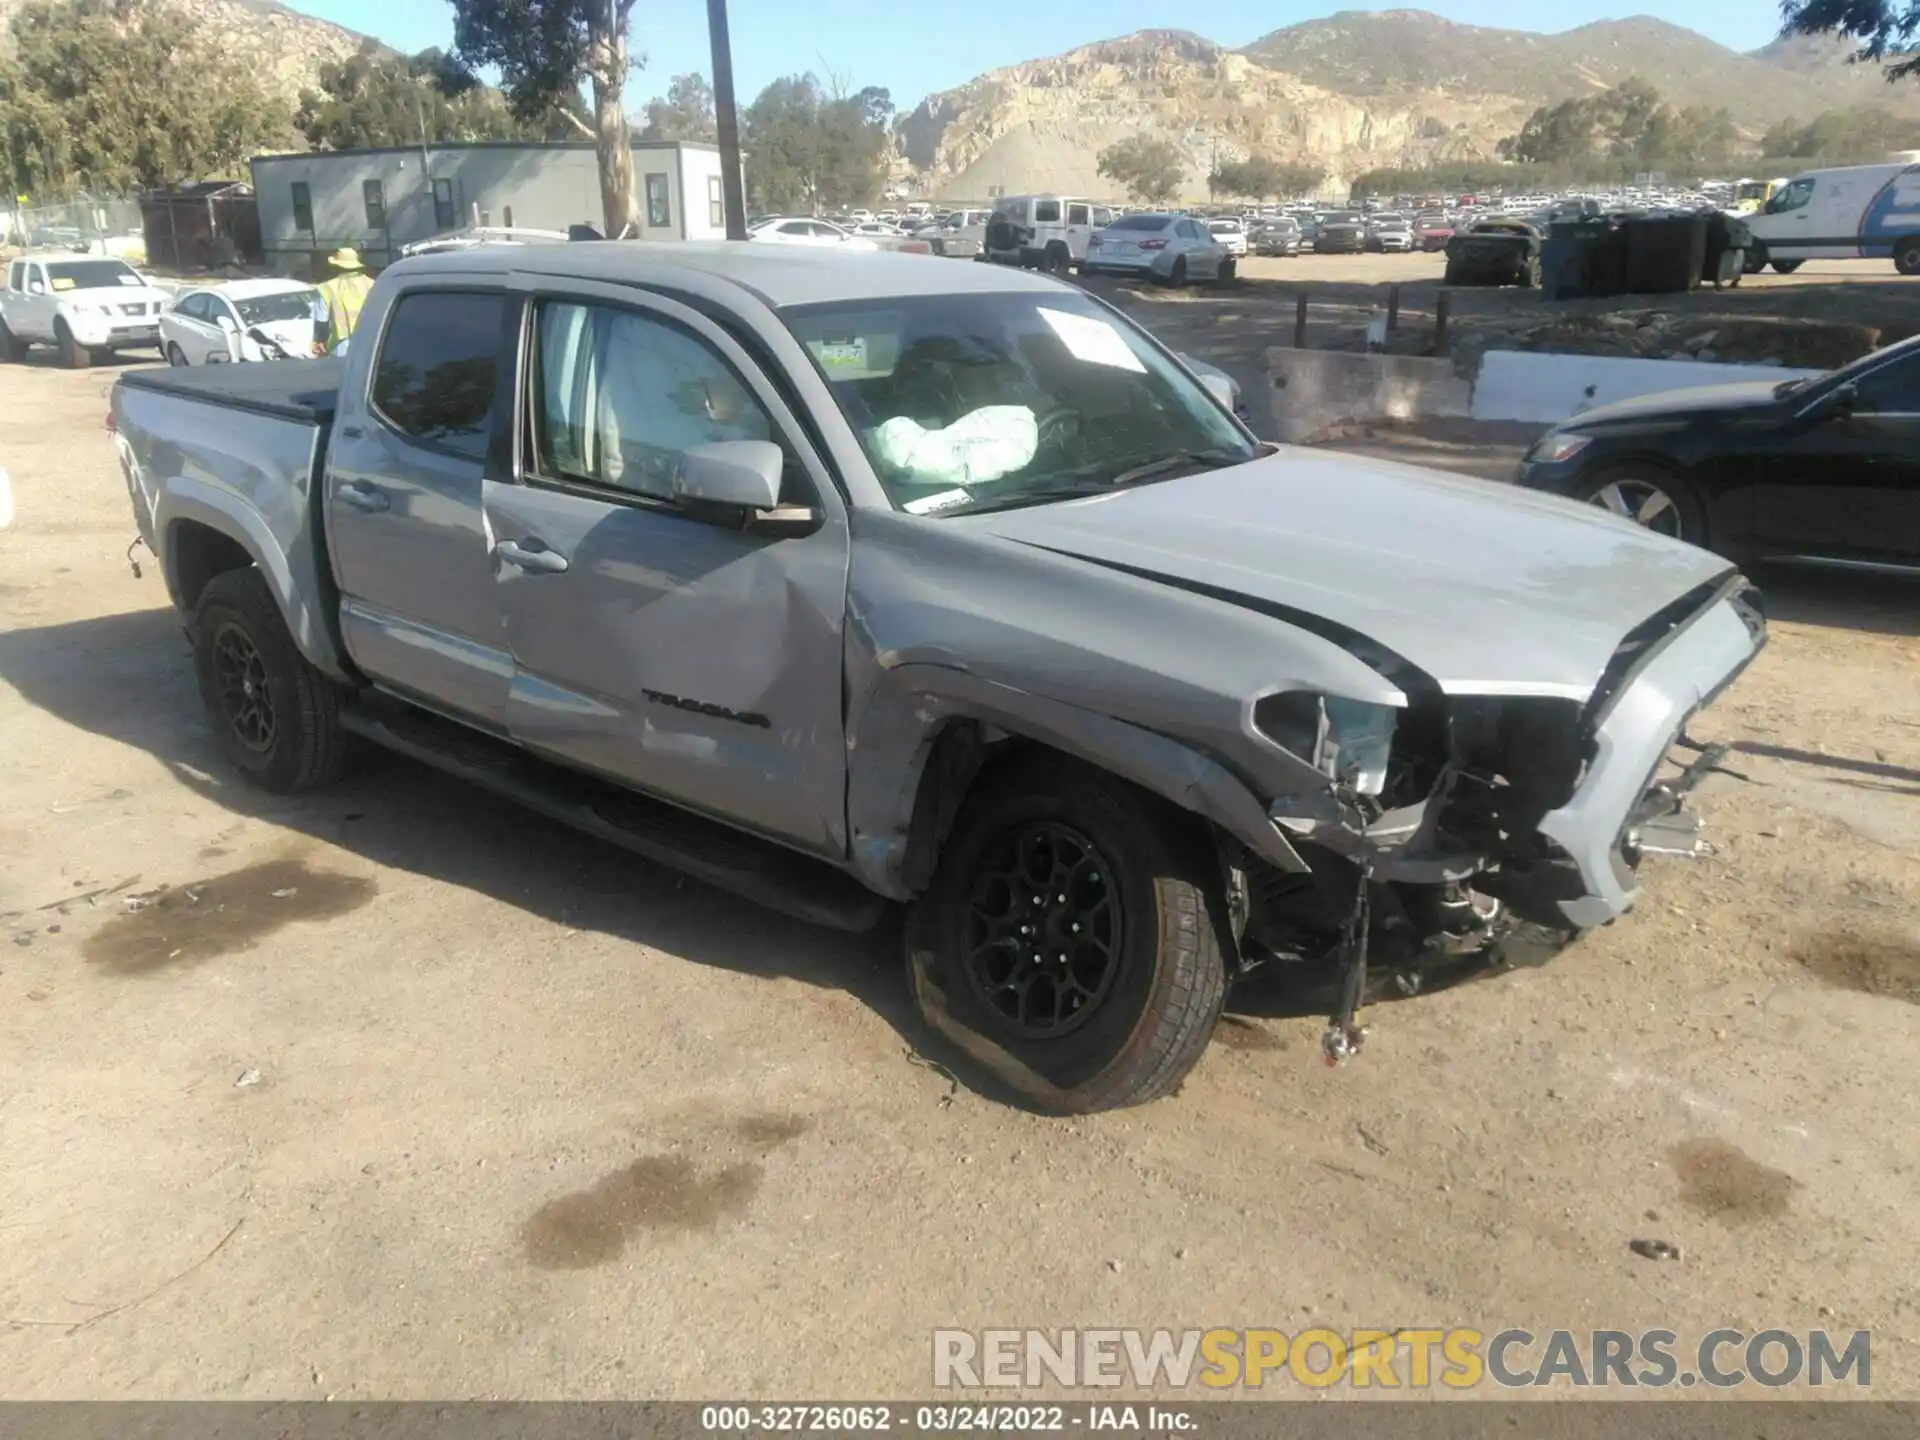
{"x":1350,"y":91}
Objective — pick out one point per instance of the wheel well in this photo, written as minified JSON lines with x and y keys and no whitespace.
{"x":199,"y":553}
{"x":964,"y":755}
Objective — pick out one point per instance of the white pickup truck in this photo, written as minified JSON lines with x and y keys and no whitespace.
{"x":81,"y":305}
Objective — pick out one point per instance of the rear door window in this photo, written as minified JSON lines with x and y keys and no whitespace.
{"x":439,"y":357}
{"x":1079,"y":215}
{"x":1046,"y":212}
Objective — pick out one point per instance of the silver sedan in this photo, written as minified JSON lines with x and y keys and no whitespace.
{"x":1171,"y":248}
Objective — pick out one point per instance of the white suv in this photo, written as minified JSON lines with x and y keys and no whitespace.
{"x":80,"y":305}
{"x":1044,"y":232}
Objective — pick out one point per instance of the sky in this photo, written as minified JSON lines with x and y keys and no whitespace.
{"x":915,"y":49}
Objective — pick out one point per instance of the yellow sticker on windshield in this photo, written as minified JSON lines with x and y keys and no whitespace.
{"x":842,"y":354}
{"x":64,"y":282}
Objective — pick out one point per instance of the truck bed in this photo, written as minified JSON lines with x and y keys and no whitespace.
{"x":303,"y":390}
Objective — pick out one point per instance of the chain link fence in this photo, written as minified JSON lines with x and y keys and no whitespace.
{"x":110,"y":223}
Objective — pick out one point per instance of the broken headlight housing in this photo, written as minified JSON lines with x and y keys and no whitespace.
{"x":1346,"y":740}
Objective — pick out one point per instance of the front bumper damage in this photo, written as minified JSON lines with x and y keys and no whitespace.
{"x":1571,"y":865}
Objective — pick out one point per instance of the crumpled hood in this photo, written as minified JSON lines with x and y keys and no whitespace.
{"x":1735,"y":395}
{"x":1488,"y":589}
{"x":294,"y":336}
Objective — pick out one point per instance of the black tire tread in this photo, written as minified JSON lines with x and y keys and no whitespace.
{"x":309,"y":702}
{"x":1185,"y":1006}
{"x":73,"y":355}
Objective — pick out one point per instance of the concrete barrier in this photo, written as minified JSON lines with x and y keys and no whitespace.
{"x":1547,"y":388}
{"x":1313,"y":389}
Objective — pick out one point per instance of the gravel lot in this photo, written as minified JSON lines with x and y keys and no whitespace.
{"x":397,"y":1092}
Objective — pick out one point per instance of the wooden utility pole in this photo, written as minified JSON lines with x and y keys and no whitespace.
{"x":726,"y":121}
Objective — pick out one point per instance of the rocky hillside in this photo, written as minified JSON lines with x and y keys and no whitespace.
{"x":1349,"y":92}
{"x":1402,"y":52}
{"x":1041,"y":125}
{"x":266,"y":37}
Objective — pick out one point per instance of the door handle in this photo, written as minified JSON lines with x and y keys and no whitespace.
{"x":364,"y":497}
{"x":538,"y":561}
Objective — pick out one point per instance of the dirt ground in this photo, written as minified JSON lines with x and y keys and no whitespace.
{"x":399,"y":1092}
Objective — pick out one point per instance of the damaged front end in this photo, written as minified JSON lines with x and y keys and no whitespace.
{"x":1475,"y":827}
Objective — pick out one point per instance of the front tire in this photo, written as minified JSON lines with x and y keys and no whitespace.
{"x":1785,"y":267}
{"x":275,"y":717}
{"x":73,"y":354}
{"x":175,"y":355}
{"x":1071,"y":940}
{"x":1651,"y":498}
{"x":1907,"y":258}
{"x":1756,"y":258}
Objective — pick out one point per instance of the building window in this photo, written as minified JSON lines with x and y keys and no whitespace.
{"x":443,"y":216}
{"x":716,"y":207}
{"x":302,"y":207}
{"x":658,"y":212}
{"x":376,"y":199}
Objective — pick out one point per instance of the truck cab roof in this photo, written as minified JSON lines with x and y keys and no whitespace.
{"x":779,"y":276}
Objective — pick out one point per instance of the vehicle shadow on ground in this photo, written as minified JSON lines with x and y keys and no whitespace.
{"x":1831,"y":599}
{"x":129,"y":678}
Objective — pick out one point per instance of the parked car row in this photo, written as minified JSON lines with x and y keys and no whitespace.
{"x":93,"y":307}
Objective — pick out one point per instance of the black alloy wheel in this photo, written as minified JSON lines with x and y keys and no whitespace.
{"x":246,"y":699}
{"x":1044,"y":929}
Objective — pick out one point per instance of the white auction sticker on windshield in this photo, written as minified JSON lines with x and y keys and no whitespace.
{"x":928,"y":504}
{"x":1093,"y":340}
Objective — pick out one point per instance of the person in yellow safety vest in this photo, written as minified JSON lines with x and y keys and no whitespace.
{"x":344,"y":291}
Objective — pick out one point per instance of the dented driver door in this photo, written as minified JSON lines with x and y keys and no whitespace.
{"x":694,"y":656}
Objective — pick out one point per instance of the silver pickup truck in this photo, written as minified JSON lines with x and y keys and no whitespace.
{"x":841,"y":580}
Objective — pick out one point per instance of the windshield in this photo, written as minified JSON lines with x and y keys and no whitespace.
{"x":270,"y":309}
{"x":965,"y":402}
{"x":1341,"y":217}
{"x":90,"y":274}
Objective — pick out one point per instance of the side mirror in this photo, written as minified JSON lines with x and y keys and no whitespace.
{"x":34,"y":287}
{"x":744,"y":474}
{"x":225,"y":322}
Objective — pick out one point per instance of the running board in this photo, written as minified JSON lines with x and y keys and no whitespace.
{"x":755,"y":870}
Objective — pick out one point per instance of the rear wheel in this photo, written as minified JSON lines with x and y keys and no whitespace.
{"x":73,"y":354}
{"x":1070,"y":943}
{"x":1756,"y":258}
{"x":1907,"y":258}
{"x":274,"y":716}
{"x":1178,"y":275}
{"x":1056,"y":260}
{"x":1228,"y":269}
{"x":12,"y":348}
{"x":1651,"y":498}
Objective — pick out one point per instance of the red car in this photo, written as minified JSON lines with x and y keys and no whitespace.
{"x":1432,"y":232}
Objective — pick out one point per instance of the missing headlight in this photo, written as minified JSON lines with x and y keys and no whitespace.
{"x":1347,"y":740}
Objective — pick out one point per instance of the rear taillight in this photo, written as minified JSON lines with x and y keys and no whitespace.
{"x":1153,"y":244}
